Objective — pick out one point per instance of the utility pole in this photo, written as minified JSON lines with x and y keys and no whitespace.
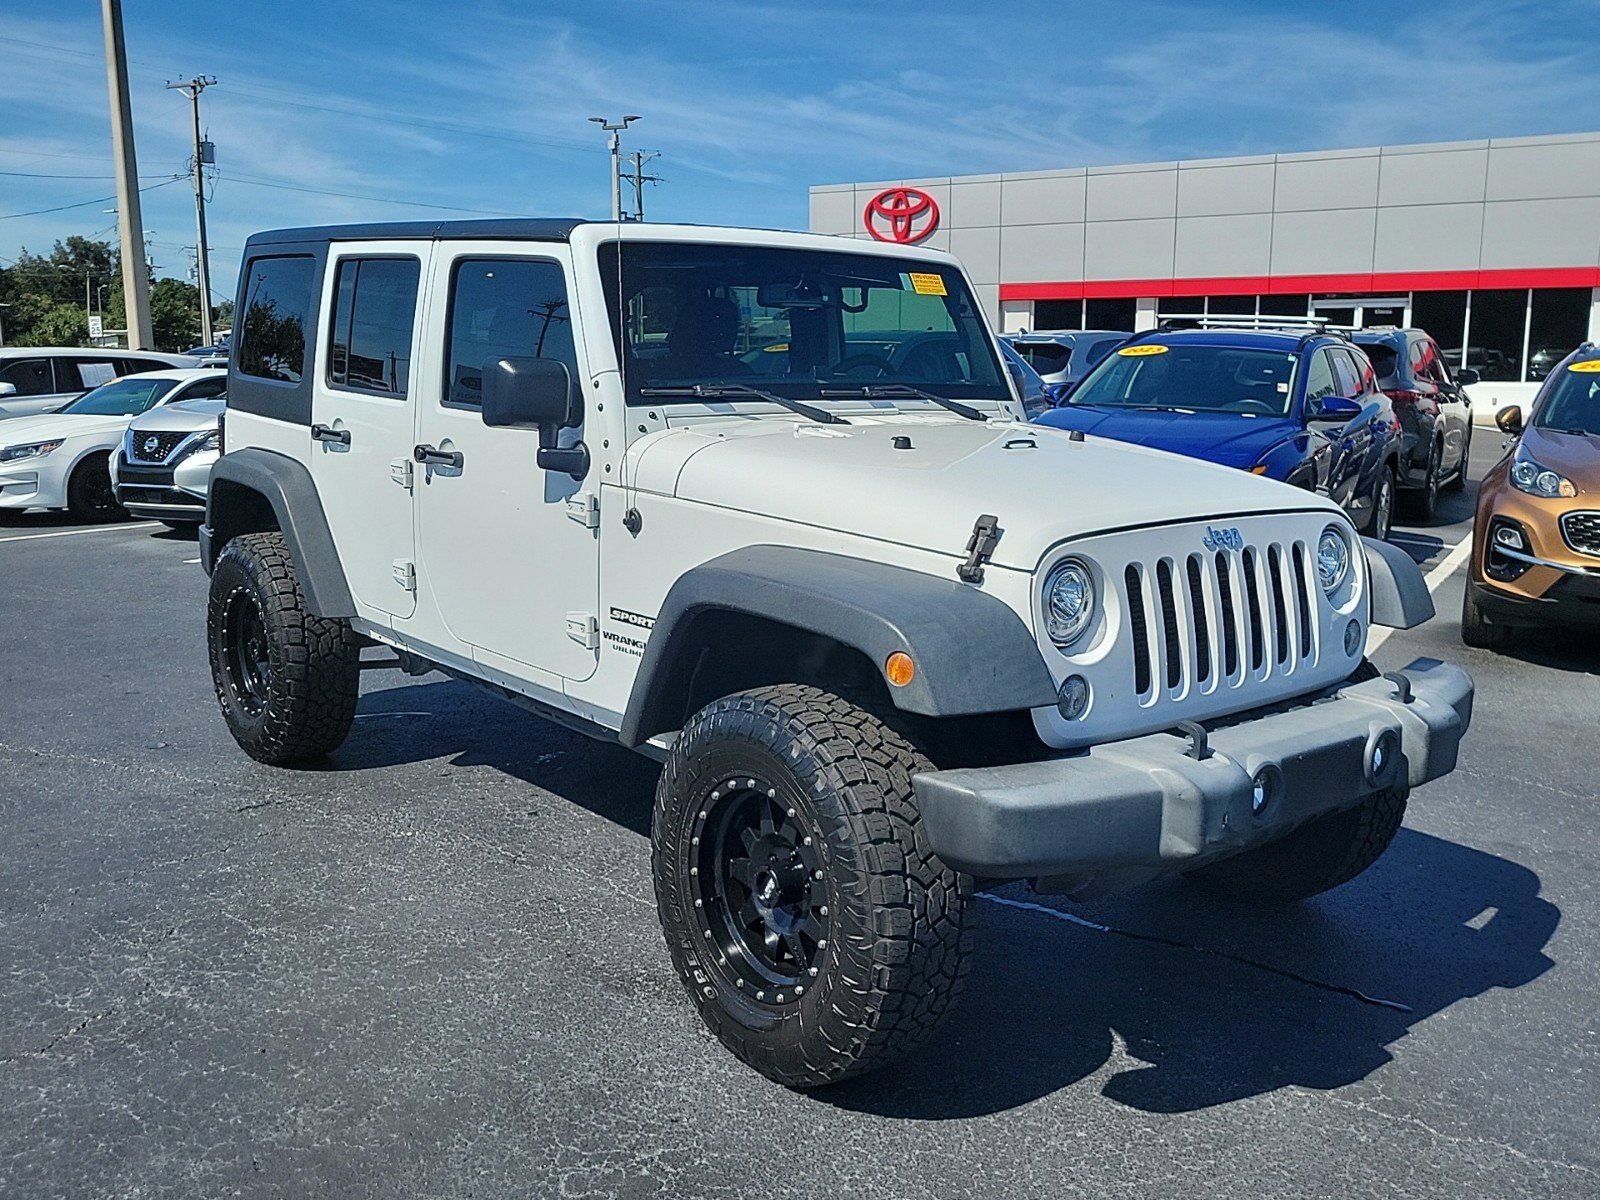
{"x":614,"y":128}
{"x":638,"y":178}
{"x":135,"y":282}
{"x":203,"y":154}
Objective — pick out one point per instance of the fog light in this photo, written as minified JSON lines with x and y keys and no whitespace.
{"x":1264,"y":789}
{"x":1510,"y":535}
{"x":1352,"y":639}
{"x":1072,"y":700}
{"x":1384,"y":755}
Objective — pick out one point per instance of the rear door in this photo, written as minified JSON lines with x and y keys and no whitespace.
{"x":1353,"y":441}
{"x":363,"y":418}
{"x":1455,"y":410}
{"x":34,"y":383}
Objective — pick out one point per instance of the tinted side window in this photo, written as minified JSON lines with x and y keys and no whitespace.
{"x":1320,"y":383}
{"x":272,"y":341}
{"x":372,"y":321}
{"x":1346,"y":381}
{"x":1366,"y":376}
{"x":137,"y":366}
{"x":205,"y":389}
{"x":81,"y":374}
{"x":30,"y":376}
{"x":504,"y":308}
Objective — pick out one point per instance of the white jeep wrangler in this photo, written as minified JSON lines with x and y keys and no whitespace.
{"x":762,"y":505}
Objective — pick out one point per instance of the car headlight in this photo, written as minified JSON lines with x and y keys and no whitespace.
{"x":1333,"y":560}
{"x":1528,"y":475}
{"x":29,"y":450}
{"x":211,"y":441}
{"x":1068,"y":602}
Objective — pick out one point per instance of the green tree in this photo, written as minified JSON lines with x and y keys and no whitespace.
{"x":61,"y":325}
{"x":174,"y":314}
{"x":26,"y":311}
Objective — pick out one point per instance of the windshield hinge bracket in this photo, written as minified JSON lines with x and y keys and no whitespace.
{"x":985,"y":537}
{"x":584,"y":508}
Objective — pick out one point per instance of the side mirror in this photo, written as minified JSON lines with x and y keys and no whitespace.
{"x":1466,"y":377}
{"x":1509,"y":419}
{"x":1058,"y":392}
{"x":536,"y":393}
{"x":8,"y":389}
{"x":1334,"y":408}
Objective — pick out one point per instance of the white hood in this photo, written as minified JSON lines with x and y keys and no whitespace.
{"x":1042,"y":485}
{"x":48,"y":426}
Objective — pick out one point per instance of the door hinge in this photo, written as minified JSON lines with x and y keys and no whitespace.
{"x":584,"y":628}
{"x":402,"y":472}
{"x":584,"y":508}
{"x":405,"y":574}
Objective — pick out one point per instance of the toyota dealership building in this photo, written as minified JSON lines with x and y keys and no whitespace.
{"x":1492,"y":246}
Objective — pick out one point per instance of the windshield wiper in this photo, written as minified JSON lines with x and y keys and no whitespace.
{"x":888,"y":391}
{"x":718,"y":391}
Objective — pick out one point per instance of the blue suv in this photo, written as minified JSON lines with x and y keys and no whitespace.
{"x":1300,"y":406}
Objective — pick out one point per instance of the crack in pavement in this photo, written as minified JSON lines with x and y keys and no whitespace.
{"x":1178,"y":944}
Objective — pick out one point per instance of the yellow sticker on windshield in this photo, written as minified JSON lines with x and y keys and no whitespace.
{"x":926,"y":283}
{"x":1588,"y":366}
{"x":1145,"y":350}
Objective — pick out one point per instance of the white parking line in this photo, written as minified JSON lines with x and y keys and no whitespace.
{"x":1446,"y":568}
{"x":30,"y":537}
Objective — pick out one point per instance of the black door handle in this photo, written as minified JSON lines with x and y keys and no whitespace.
{"x":326,"y":433}
{"x":434,"y":457}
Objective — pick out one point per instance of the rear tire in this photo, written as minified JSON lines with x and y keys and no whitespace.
{"x":1424,"y":503}
{"x":1476,"y":631}
{"x":1458,"y":481}
{"x":818,"y":935}
{"x":90,"y":498}
{"x":1382,"y":519}
{"x":1319,"y":856}
{"x":287,"y":680}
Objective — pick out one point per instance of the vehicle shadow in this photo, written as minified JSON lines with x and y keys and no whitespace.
{"x":1247,"y":1001}
{"x":447,"y":719}
{"x":1555,"y":648}
{"x":1205,"y":1003}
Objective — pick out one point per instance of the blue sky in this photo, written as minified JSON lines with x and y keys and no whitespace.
{"x":479,"y":107}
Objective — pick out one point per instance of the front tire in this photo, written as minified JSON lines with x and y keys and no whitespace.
{"x":818,"y":935}
{"x":90,"y":497}
{"x":1475,"y":628}
{"x":287,"y":680}
{"x":1382,"y":519}
{"x":1425,"y":502}
{"x":1319,"y":856}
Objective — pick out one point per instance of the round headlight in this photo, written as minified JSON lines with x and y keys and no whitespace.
{"x":1068,"y":602}
{"x":1333,"y":560}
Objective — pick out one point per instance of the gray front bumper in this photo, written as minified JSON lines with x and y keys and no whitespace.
{"x":1148,"y":802}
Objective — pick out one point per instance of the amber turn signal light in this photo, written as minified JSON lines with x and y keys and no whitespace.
{"x":898,"y":668}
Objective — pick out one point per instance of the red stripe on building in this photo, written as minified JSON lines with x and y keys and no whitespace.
{"x":1275,"y":285}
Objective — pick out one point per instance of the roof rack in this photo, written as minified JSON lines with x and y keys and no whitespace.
{"x":1309,"y":325}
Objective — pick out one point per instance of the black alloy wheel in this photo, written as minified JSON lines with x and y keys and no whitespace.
{"x":248,"y":652}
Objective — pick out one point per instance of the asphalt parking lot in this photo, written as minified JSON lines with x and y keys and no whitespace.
{"x":432,"y":968}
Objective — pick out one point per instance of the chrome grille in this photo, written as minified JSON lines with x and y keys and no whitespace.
{"x":1582,"y":532}
{"x":152,"y":447}
{"x":1207,"y":622}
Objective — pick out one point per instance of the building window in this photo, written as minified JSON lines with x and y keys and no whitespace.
{"x":1292,"y":305}
{"x":1557,"y":324}
{"x":1443,"y":316}
{"x":1109,"y":314}
{"x":1230,"y":306}
{"x":1495,"y":325}
{"x":1058,"y":314}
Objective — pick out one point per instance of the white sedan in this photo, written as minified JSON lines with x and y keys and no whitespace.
{"x":60,"y":459}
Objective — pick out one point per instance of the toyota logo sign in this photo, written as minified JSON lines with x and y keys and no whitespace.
{"x":902,"y":214}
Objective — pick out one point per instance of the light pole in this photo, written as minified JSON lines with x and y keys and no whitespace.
{"x":615,"y":128}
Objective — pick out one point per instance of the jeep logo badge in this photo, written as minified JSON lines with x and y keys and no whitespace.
{"x":1223,"y":539}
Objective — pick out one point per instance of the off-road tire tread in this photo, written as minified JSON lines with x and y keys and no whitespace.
{"x":901,"y":947}
{"x":1315,"y":858}
{"x":316,"y":675}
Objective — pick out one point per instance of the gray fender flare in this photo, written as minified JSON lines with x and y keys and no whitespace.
{"x":287,"y":487}
{"x":1400,"y":597}
{"x":972,"y":652}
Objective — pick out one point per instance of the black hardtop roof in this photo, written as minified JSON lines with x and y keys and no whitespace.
{"x":538,"y":229}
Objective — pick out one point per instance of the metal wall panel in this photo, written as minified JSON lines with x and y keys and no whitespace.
{"x":1323,"y":243}
{"x":1132,"y":195}
{"x":1428,"y":237}
{"x":1041,"y":253}
{"x":1432,"y":177}
{"x":1336,"y":181}
{"x":1042,"y":200}
{"x":1210,"y":191}
{"x":1544,"y":170}
{"x":974,"y":204}
{"x":1129,"y":249}
{"x":1541,"y":233}
{"x":979,"y":252}
{"x":1224,"y":245}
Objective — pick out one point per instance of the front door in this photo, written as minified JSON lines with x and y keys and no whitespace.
{"x":506,"y":550}
{"x":363,"y":414}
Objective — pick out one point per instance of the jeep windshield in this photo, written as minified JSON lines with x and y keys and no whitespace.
{"x":816,"y":325}
{"x":1191,"y":378}
{"x":1572,"y":404}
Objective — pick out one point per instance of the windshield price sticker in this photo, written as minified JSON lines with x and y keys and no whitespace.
{"x":926,"y":283}
{"x":1144,"y":351}
{"x":1588,"y":366}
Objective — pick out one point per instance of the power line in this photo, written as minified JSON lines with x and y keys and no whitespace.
{"x":290,"y":187}
{"x":82,"y":203}
{"x":35,"y":175}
